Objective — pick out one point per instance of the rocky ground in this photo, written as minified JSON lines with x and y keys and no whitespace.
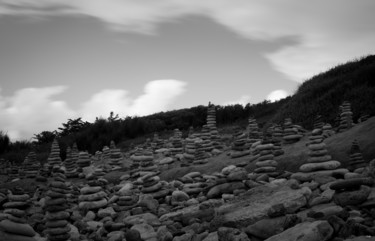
{"x":219,"y":200}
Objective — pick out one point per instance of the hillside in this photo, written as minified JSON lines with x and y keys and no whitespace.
{"x":324,"y":93}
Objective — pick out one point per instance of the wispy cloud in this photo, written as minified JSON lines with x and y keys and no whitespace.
{"x":32,"y":110}
{"x":329,"y":32}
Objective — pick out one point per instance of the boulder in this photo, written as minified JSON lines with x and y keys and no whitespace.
{"x":314,"y":231}
{"x":354,"y":197}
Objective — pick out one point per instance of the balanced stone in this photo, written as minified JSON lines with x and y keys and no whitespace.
{"x":211,"y":125}
{"x":56,"y":205}
{"x":291,"y":133}
{"x":54,"y":159}
{"x":356,"y":158}
{"x":265,"y":163}
{"x":127,"y":198}
{"x":70,"y":164}
{"x":84,"y":160}
{"x":240,"y":146}
{"x":92,"y":197}
{"x":115,"y":158}
{"x":31,"y":166}
{"x":346,"y":117}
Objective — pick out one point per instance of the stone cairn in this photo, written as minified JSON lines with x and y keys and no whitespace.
{"x":56,"y":205}
{"x":84,"y":160}
{"x":346,"y":117}
{"x":240,"y":146}
{"x":356,"y":163}
{"x":54,"y":160}
{"x":157,"y":143}
{"x":150,"y":184}
{"x":254,"y":134}
{"x":70,"y":164}
{"x":211,"y":125}
{"x":205,"y":135}
{"x":143,"y":161}
{"x":176,"y":141}
{"x":15,"y":225}
{"x":92,"y":196}
{"x":31,"y":166}
{"x":319,"y":163}
{"x":364,"y":117}
{"x":328,"y":130}
{"x":13,"y":171}
{"x":201,"y":155}
{"x":265,"y":164}
{"x":276,"y":140}
{"x":127,"y":198}
{"x":190,"y":150}
{"x":291,"y":133}
{"x":115,"y":158}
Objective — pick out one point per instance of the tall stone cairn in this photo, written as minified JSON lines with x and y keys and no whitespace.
{"x":177,"y":144}
{"x":254,"y":134}
{"x":205,"y":135}
{"x":56,"y":206}
{"x":31,"y":165}
{"x":54,"y":160}
{"x":15,"y":226}
{"x":277,"y":139}
{"x":157,"y":143}
{"x":84,"y":160}
{"x":356,"y":159}
{"x":346,"y":117}
{"x":211,"y":125}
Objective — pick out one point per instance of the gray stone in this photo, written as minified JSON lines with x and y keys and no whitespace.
{"x":146,"y":231}
{"x":314,"y":231}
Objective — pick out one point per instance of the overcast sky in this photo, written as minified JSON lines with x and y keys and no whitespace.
{"x":63,"y":59}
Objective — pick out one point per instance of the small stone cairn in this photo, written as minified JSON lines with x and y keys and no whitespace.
{"x":93,"y":196}
{"x":143,"y":161}
{"x":57,"y":225}
{"x":206,"y":139}
{"x":356,"y":163}
{"x":15,"y":225}
{"x":115,"y":158}
{"x":150,"y":184}
{"x":157,"y":143}
{"x":291,"y":133}
{"x":319,"y":163}
{"x":31,"y":166}
{"x":254,"y":134}
{"x":84,"y":160}
{"x":127,"y":198}
{"x":346,"y":117}
{"x":240,"y":146}
{"x":176,"y":141}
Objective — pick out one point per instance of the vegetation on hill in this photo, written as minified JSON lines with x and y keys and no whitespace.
{"x":322,"y":94}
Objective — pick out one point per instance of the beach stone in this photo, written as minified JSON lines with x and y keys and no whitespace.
{"x":146,"y":231}
{"x":17,"y":228}
{"x":307,"y":231}
{"x":220,"y":189}
{"x":327,"y":165}
{"x":353,"y":183}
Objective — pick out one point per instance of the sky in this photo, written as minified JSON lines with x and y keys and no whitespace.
{"x":62,"y":59}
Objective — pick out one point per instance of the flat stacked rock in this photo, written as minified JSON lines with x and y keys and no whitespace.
{"x":15,"y":226}
{"x":150,"y":184}
{"x":363,"y":118}
{"x":193,"y":183}
{"x":31,"y":166}
{"x":254,"y":134}
{"x":206,"y":139}
{"x":328,"y":131}
{"x":176,"y":141}
{"x":190,"y":150}
{"x":144,"y":159}
{"x":352,"y":191}
{"x":56,"y":204}
{"x":240,"y":146}
{"x":291,"y":134}
{"x":211,"y":124}
{"x":318,"y":122}
{"x":200,"y":156}
{"x":92,"y":197}
{"x":356,"y":159}
{"x":127,"y":198}
{"x":13,"y":172}
{"x":116,"y":158}
{"x":70,"y":164}
{"x":276,"y":140}
{"x":346,"y":117}
{"x":319,"y":162}
{"x":84,"y":160}
{"x":157,"y":143}
{"x":54,"y":160}
{"x":105,"y":155}
{"x":265,"y":163}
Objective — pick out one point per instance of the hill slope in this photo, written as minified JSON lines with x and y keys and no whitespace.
{"x":324,"y":93}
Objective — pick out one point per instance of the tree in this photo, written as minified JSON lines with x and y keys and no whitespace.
{"x":73,"y":126}
{"x":4,"y":142}
{"x":45,"y":137}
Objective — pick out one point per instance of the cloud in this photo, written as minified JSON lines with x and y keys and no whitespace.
{"x":243,"y":100}
{"x":277,"y":95}
{"x":328,"y":32}
{"x":33,"y":110}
